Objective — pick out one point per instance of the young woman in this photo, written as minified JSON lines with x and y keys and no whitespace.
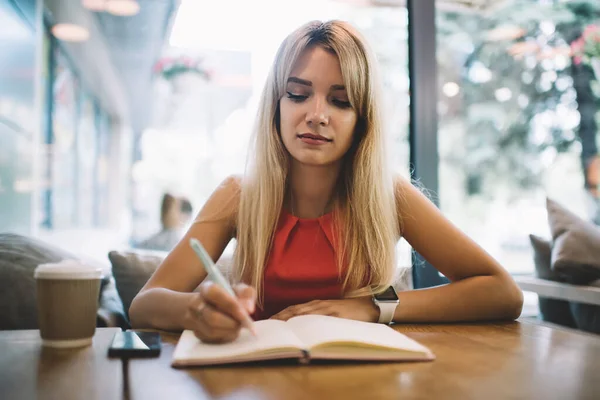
{"x":318,"y":213}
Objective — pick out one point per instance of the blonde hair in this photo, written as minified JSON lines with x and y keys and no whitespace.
{"x":365,"y":208}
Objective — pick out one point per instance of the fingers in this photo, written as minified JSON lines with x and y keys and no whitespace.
{"x":225,"y":303}
{"x":208,"y":332}
{"x":313,"y":307}
{"x":210,"y":325}
{"x":246,"y":296}
{"x":215,"y":319}
{"x":216,"y":315}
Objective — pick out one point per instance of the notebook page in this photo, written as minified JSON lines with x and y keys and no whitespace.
{"x":271,"y":334}
{"x":315,"y":330}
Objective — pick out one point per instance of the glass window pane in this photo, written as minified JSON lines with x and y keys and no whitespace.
{"x":86,"y":159}
{"x":62,"y":150}
{"x":17,"y":120}
{"x":516,"y":121}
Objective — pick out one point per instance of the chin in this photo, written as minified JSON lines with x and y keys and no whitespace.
{"x":314,"y":157}
{"x":311,"y":160}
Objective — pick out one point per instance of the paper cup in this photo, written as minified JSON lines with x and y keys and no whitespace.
{"x":67,"y":302}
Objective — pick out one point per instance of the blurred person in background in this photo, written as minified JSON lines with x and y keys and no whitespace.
{"x":175,"y":217}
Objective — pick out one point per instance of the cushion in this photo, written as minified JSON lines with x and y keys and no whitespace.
{"x":19,"y":256}
{"x":576,"y":245}
{"x":132,"y":269}
{"x":551,"y":310}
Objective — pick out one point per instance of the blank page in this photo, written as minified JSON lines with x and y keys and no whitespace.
{"x":271,"y":335}
{"x":316,"y":330}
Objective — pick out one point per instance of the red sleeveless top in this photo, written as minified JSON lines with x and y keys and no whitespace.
{"x":302,"y":265}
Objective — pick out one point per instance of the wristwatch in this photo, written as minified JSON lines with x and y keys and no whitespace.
{"x":387,"y":303}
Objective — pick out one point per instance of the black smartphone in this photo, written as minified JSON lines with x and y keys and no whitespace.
{"x":134,"y":344}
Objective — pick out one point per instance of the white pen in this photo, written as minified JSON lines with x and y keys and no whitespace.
{"x":215,"y":275}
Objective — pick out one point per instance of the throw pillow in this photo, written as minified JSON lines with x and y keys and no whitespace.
{"x":132,"y":269}
{"x":551,"y":310}
{"x":576,"y":245}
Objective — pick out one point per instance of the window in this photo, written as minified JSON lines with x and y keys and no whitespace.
{"x":62,"y":149}
{"x":510,"y":132}
{"x":86,"y":156}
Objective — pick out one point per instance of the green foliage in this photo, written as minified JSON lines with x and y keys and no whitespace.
{"x":505,"y":139}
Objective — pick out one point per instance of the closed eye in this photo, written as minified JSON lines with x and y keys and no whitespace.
{"x":296,"y":97}
{"x":341,"y":103}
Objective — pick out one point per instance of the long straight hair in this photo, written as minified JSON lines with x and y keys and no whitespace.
{"x":367,"y":227}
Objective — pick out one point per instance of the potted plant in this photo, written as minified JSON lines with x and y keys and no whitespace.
{"x":176,"y":70}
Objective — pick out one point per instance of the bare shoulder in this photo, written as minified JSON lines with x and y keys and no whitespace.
{"x":232,"y":185}
{"x":403,"y":191}
{"x":224,"y":202}
{"x":406,"y":193}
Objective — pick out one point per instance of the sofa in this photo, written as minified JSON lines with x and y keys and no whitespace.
{"x":570,"y":255}
{"x":19,"y":256}
{"x":124,"y":273}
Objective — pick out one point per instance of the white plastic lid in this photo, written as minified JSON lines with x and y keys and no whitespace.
{"x":67,"y":269}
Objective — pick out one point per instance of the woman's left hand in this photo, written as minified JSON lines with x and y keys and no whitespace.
{"x":360,"y":309}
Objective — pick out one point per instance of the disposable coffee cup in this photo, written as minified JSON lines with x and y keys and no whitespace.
{"x":67,"y":302}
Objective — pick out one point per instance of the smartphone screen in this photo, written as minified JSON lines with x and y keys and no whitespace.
{"x":135,"y":344}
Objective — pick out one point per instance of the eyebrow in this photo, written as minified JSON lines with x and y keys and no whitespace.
{"x":293,"y":79}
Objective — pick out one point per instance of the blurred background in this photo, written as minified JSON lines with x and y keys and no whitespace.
{"x":105,"y":105}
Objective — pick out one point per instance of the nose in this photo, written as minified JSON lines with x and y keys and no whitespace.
{"x":318,"y":114}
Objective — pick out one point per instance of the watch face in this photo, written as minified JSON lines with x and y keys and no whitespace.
{"x":388,"y":295}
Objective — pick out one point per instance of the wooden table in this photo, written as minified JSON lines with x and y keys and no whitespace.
{"x":30,"y":371}
{"x":518,"y":360}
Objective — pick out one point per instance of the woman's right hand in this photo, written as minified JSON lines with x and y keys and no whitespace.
{"x":215,"y":316}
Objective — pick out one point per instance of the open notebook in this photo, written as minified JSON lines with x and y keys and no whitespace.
{"x":303,"y":338}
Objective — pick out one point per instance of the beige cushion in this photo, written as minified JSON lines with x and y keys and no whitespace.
{"x":132,"y":269}
{"x":576,"y":245}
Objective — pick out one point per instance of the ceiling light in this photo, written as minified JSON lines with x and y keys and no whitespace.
{"x":122,"y":8}
{"x":94,"y":5}
{"x":70,"y":32}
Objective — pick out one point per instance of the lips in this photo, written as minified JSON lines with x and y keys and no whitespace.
{"x":312,"y":136}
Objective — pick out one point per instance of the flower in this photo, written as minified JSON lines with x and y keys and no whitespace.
{"x":586,"y":47}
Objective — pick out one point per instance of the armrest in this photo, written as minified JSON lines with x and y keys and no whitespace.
{"x":558,"y":290}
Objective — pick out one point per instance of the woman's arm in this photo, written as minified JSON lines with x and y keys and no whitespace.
{"x":480,"y":288}
{"x":163,"y":302}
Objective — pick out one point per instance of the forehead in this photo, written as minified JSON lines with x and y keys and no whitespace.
{"x":319,"y":66}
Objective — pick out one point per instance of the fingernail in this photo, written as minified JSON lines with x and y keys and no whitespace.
{"x":250,"y":305}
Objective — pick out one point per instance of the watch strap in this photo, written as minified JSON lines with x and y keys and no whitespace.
{"x":386,"y":311}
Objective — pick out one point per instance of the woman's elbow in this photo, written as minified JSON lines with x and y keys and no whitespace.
{"x":513,"y":301}
{"x":135,"y":313}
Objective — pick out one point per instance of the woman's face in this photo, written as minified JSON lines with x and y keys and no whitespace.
{"x":316,"y":119}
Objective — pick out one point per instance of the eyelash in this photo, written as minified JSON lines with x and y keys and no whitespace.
{"x":297,"y":98}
